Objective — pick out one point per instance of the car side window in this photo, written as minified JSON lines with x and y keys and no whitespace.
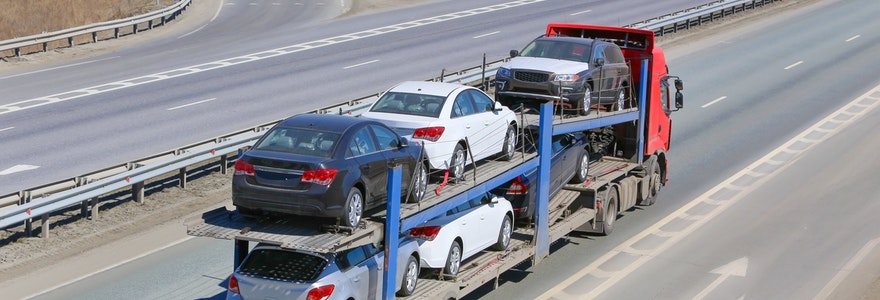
{"x":387,"y":138}
{"x":362,"y":143}
{"x":613,"y":54}
{"x":482,"y":103}
{"x":463,"y":106}
{"x":350,"y":258}
{"x":599,"y":52}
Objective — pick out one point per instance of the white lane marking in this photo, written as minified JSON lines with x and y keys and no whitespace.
{"x":714,"y":101}
{"x":360,"y":64}
{"x":216,"y":13}
{"x":18,"y":168}
{"x":854,"y":37}
{"x":487,"y":34}
{"x":734,"y":268}
{"x":7,"y":128}
{"x":191,"y":104}
{"x":794,"y":64}
{"x":848,"y":268}
{"x":59,"y":67}
{"x":580,"y":12}
{"x":70,"y":95}
{"x":720,"y":197}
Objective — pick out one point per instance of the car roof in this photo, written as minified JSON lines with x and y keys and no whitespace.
{"x":427,"y":88}
{"x":575,"y":40}
{"x":323,"y":122}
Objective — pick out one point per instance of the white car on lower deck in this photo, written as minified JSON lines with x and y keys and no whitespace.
{"x":451,"y":120}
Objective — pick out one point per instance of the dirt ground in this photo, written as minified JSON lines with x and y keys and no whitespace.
{"x":76,"y":239}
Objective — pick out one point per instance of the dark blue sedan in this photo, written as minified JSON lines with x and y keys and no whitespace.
{"x":325,"y":166}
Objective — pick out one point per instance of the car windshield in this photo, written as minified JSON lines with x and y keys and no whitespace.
{"x":409,"y":104}
{"x":549,"y":48}
{"x":299,"y":141}
{"x":283,"y":265}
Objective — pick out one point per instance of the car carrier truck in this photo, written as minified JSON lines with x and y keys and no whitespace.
{"x":629,"y":166}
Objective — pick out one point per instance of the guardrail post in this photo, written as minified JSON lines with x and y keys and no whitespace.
{"x":134,"y":29}
{"x":182,"y":177}
{"x":137,"y":192}
{"x":116,"y":33}
{"x":28,"y":224}
{"x":45,"y":46}
{"x":224,"y":164}
{"x":94,"y":207}
{"x":70,"y":41}
{"x":44,"y":226}
{"x":150,"y":24}
{"x":94,"y":37}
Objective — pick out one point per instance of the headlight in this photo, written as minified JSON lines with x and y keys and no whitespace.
{"x":565,"y":77}
{"x":503,"y":72}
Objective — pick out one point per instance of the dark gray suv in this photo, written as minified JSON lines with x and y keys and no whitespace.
{"x":584,"y":72}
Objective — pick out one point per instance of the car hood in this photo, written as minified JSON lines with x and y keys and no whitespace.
{"x":558,"y":66}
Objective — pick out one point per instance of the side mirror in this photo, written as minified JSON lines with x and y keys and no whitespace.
{"x":402,"y":143}
{"x":679,"y":98}
{"x":599,"y":62}
{"x":514,"y":53}
{"x":679,"y":85}
{"x":498,"y":107}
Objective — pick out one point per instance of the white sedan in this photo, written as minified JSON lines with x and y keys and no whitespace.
{"x":482,"y":222}
{"x":451,"y":119}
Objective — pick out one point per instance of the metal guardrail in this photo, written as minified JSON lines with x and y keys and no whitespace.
{"x":162,"y":15}
{"x":41,"y":201}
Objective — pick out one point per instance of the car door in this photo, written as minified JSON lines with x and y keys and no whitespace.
{"x":464,"y":122}
{"x":601,"y":74}
{"x":362,"y":271}
{"x":474,"y":231}
{"x":389,"y":146}
{"x":564,"y":163}
{"x":616,"y":65}
{"x":371,"y":164}
{"x":494,"y":126}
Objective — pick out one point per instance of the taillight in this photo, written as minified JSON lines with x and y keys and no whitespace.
{"x":429,"y":133}
{"x":428,"y":233}
{"x":243,"y":168}
{"x":518,"y":187}
{"x":520,"y":211}
{"x":319,"y":176}
{"x":233,"y":285}
{"x":321,"y":293}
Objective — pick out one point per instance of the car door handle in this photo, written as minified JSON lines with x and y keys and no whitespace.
{"x":356,"y":279}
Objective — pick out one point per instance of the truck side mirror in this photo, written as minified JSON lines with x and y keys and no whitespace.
{"x":679,"y":98}
{"x":514,"y":53}
{"x":679,"y":85}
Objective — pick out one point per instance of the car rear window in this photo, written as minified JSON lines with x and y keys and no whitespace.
{"x":409,"y":104}
{"x":299,"y":141}
{"x":283,"y":265}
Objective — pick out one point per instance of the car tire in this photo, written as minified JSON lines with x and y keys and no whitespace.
{"x":410,"y":277}
{"x":354,"y":208}
{"x":584,"y":106}
{"x":457,"y":163}
{"x":420,"y":183}
{"x":583,"y":169}
{"x":504,"y":235}
{"x":509,"y":143}
{"x":620,"y":100}
{"x":609,"y":211}
{"x":453,"y":260}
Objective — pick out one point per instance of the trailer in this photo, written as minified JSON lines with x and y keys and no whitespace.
{"x":629,"y":168}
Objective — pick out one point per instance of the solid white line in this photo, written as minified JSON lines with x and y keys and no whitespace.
{"x":580,"y":12}
{"x":7,"y":128}
{"x":216,"y":13}
{"x":854,"y":37}
{"x":488,"y":34}
{"x":794,"y":65}
{"x":191,"y":104}
{"x":361,"y":64}
{"x":848,"y":268}
{"x":56,"y":68}
{"x":714,"y":101}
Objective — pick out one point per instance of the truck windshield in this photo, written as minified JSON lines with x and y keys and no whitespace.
{"x":555,"y":49}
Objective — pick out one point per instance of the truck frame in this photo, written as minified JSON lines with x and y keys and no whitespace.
{"x":630,"y":170}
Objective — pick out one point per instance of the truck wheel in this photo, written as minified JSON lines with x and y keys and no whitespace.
{"x":504,"y":235}
{"x":584,"y":106}
{"x":354,"y":208}
{"x":509,"y":143}
{"x":457,"y":163}
{"x":410,"y":277}
{"x":420,"y":183}
{"x":453,"y":260}
{"x":609,"y":212}
{"x":583,"y":169}
{"x":650,"y":185}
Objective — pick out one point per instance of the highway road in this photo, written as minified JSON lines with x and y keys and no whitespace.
{"x":771,"y":193}
{"x":246,"y":63}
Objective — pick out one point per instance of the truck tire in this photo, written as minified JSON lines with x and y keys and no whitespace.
{"x":583,"y":106}
{"x":453,"y":260}
{"x":504,"y":235}
{"x":457,"y":163}
{"x":509,"y":143}
{"x":609,"y":211}
{"x":410,"y":277}
{"x":354,"y":208}
{"x":583,"y":169}
{"x":650,"y":185}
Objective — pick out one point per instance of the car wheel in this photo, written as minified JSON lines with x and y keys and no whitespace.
{"x":609,"y":214}
{"x":420,"y":183}
{"x":504,"y":235}
{"x":583,"y":169}
{"x":453,"y":260}
{"x":410,"y":277}
{"x":509,"y":143}
{"x":457,"y":164}
{"x":584,"y":106}
{"x":354,"y":208}
{"x":620,"y":103}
